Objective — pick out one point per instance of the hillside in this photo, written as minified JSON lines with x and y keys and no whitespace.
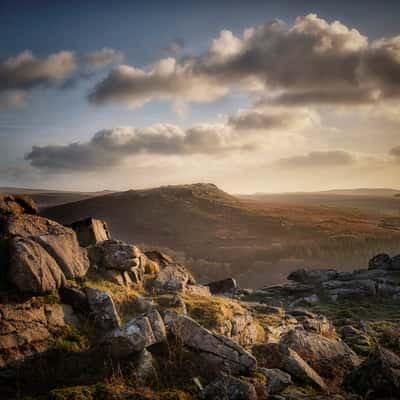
{"x":382,"y":201}
{"x":217,"y":234}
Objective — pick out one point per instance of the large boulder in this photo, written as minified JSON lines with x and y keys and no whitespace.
{"x":219,"y":350}
{"x":380,"y":261}
{"x":102,"y":310}
{"x":330,"y":357}
{"x":227,"y":285}
{"x":173,"y":278}
{"x":337,"y":290}
{"x":229,"y":388}
{"x":278,"y":380}
{"x":91,"y":231}
{"x":378,"y":376}
{"x":115,"y":254}
{"x":59,"y":241}
{"x":279,"y":356}
{"x":32,"y":269}
{"x":136,"y":335}
{"x":27,"y":329}
{"x":395,"y":263}
{"x":313,"y":275}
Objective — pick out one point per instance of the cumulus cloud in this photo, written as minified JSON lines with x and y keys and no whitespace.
{"x":21,"y":74}
{"x":245,"y":130}
{"x":265,"y":119}
{"x":311,"y":61}
{"x":318,"y":159}
{"x":25,"y":71}
{"x":103,"y":58}
{"x":110,"y":147}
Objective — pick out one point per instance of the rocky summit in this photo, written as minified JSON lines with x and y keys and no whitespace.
{"x":85,"y":316}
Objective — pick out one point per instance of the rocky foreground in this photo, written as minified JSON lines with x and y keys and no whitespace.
{"x":84,"y":316}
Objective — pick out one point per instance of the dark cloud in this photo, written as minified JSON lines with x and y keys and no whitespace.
{"x":25,"y":71}
{"x":318,"y":159}
{"x":312,"y":61}
{"x":110,"y":147}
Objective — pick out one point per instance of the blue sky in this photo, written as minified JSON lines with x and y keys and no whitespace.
{"x":142,"y":32}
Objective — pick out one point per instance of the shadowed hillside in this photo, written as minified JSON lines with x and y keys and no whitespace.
{"x":217,"y":234}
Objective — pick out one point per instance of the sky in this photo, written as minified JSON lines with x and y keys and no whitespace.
{"x":254,"y":96}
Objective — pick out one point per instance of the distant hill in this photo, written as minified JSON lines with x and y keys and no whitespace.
{"x":217,"y":234}
{"x":50,"y":198}
{"x":382,"y":201}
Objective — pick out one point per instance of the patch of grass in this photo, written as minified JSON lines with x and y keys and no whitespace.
{"x":70,"y":338}
{"x":304,"y":390}
{"x":50,"y":298}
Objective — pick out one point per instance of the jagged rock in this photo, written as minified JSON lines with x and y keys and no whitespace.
{"x":380,"y":261}
{"x":298,"y":368}
{"x":378,"y":376}
{"x":136,"y":335}
{"x":308,"y":300}
{"x":76,"y":298}
{"x":26,"y":329}
{"x":277,"y":379}
{"x":115,"y":254}
{"x":59,"y":241}
{"x":143,"y":366}
{"x":353,"y":288}
{"x":228,"y":285}
{"x":91,"y":231}
{"x":357,"y":339}
{"x":173,"y":278}
{"x":10,"y":205}
{"x":312,"y":275}
{"x":279,"y":356}
{"x":218,"y":349}
{"x":329,"y":357}
{"x":102,"y":310}
{"x":32,"y":269}
{"x":243,"y":329}
{"x":159,"y":257}
{"x":229,"y":388}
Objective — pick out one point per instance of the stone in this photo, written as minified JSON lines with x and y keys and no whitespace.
{"x":378,"y":376}
{"x":159,"y":257}
{"x":114,"y":254}
{"x":143,"y":366}
{"x":350,"y":289}
{"x":76,"y":298}
{"x":292,"y":363}
{"x":91,"y":231}
{"x":312,"y":275}
{"x":136,"y":335}
{"x":59,"y":241}
{"x":102,"y":310}
{"x":219,"y":350}
{"x":228,"y":285}
{"x":229,"y":388}
{"x":27,"y":330}
{"x":17,"y":204}
{"x":32,"y":269}
{"x":380,"y":261}
{"x":173,"y":278}
{"x":278,"y":380}
{"x":329,"y":357}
